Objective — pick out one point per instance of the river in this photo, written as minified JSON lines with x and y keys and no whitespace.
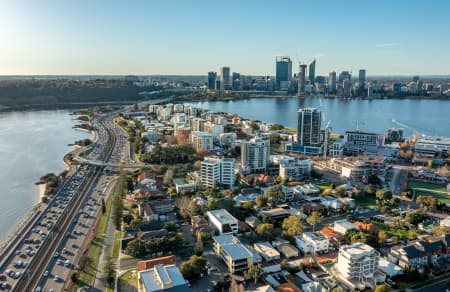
{"x":430,"y":117}
{"x":32,"y":144}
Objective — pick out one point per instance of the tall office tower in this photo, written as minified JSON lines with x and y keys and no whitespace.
{"x":302,"y":80}
{"x":225,"y":80}
{"x":309,"y":123}
{"x":416,"y":78}
{"x":235,"y":80}
{"x":362,"y":76}
{"x":283,"y":72}
{"x":345,"y":75}
{"x":255,"y":155}
{"x":212,"y":80}
{"x":332,"y":82}
{"x":312,"y":72}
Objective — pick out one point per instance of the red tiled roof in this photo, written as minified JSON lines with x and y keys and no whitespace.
{"x":148,"y":264}
{"x":287,"y":287}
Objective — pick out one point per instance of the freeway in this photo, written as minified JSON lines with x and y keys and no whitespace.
{"x":37,"y":249}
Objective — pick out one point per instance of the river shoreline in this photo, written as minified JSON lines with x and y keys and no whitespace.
{"x":38,"y":190}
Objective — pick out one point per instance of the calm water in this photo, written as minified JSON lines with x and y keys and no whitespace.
{"x":430,"y":117}
{"x":31,"y":145}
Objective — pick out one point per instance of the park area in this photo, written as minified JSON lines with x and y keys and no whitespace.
{"x":427,"y":189}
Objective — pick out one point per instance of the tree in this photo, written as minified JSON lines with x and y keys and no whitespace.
{"x":192,"y":268}
{"x":313,"y":219}
{"x":103,"y":206}
{"x":74,"y":277}
{"x":369,"y":189}
{"x":199,"y":244}
{"x":170,"y":226}
{"x":428,"y":202}
{"x":353,"y":236}
{"x":441,"y":230}
{"x":382,"y":236}
{"x":382,"y":288}
{"x":109,"y":269}
{"x":253,"y":272}
{"x":247,"y":206}
{"x":261,"y":201}
{"x":414,"y":217}
{"x":383,"y":195}
{"x":293,"y":225}
{"x":274,"y":193}
{"x":266,"y":231}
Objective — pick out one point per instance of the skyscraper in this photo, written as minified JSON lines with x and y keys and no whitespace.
{"x":362,"y":76}
{"x":309,"y":123}
{"x":212,"y":80}
{"x":332,"y":82}
{"x":225,"y":80}
{"x":283,"y":72}
{"x":312,"y":72}
{"x":345,"y":75}
{"x":302,"y":80}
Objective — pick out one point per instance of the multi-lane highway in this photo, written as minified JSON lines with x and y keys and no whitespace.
{"x":52,"y":244}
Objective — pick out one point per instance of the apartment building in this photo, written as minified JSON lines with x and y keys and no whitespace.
{"x":236,"y":256}
{"x":223,"y":221}
{"x":217,"y":170}
{"x":255,"y":155}
{"x":201,"y":140}
{"x":297,"y":169}
{"x":358,"y":263}
{"x":312,"y":243}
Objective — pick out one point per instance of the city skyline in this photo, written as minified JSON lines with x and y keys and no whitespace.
{"x":176,"y":38}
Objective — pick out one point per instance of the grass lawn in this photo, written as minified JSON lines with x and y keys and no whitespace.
{"x":327,"y":185}
{"x":400,"y":233}
{"x":367,"y":202}
{"x":116,"y":245}
{"x":128,"y":281}
{"x":434,"y":187}
{"x":87,"y":275}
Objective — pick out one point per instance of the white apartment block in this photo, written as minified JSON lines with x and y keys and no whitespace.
{"x":255,"y":155}
{"x":201,"y":140}
{"x":223,"y":221}
{"x":295,"y":168}
{"x":214,"y":129}
{"x":358,"y":262}
{"x":312,"y":243}
{"x":217,"y":170}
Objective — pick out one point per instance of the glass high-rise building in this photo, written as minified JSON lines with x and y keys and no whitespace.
{"x":212,"y":80}
{"x":309,"y":123}
{"x":225,"y":78}
{"x":283,"y":70}
{"x":302,"y":80}
{"x":312,"y":72}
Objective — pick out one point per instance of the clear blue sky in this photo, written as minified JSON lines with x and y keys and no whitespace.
{"x":193,"y":37}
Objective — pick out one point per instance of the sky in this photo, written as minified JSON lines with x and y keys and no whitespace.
{"x":386,"y":37}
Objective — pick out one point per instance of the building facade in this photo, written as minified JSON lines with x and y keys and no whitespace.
{"x":217,"y":170}
{"x":255,"y":155}
{"x":224,"y":222}
{"x":358,"y":262}
{"x":309,"y":123}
